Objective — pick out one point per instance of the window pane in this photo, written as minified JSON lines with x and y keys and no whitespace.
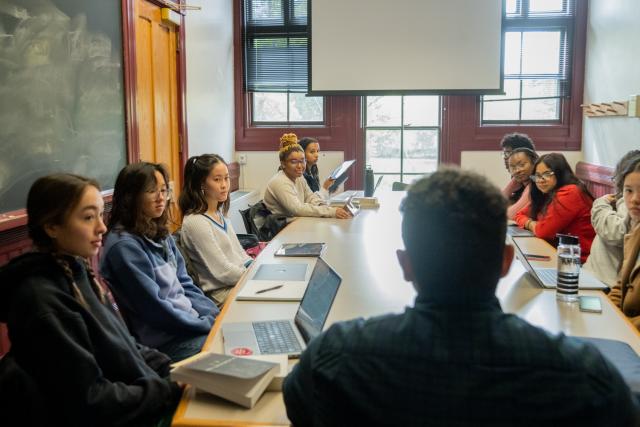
{"x":511,"y":89}
{"x":383,"y":150}
{"x":540,"y":88}
{"x":383,"y":110}
{"x":500,"y":110}
{"x":266,"y":10}
{"x":541,"y":6}
{"x":541,"y":109}
{"x":512,"y":52}
{"x":512,"y":7}
{"x":541,"y":52}
{"x":300,"y":11}
{"x":421,"y":110}
{"x":269,"y":107}
{"x":305,"y":108}
{"x":420,"y":151}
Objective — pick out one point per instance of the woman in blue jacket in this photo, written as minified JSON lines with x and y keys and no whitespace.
{"x":145,"y":270}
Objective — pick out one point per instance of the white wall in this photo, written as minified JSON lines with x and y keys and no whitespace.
{"x":262,"y":165}
{"x":612,"y":74}
{"x":210,"y":103}
{"x":491,"y":165}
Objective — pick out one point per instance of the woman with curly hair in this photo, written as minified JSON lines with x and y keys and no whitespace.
{"x":288,"y":193}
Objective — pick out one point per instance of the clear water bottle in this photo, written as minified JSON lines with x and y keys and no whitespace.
{"x":568,"y":268}
{"x":368,"y":181}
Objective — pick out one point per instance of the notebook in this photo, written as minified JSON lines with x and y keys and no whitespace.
{"x":340,"y":174}
{"x":287,"y":336}
{"x":276,"y":282}
{"x":301,"y":249}
{"x":546,"y":277}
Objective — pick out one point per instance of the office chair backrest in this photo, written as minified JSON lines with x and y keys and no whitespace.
{"x":399,"y":186}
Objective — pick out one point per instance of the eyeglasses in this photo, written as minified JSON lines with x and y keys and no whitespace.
{"x":294,"y":162}
{"x":166,"y":193}
{"x":543,"y":176}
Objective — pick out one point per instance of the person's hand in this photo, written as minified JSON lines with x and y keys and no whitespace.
{"x":328,"y":183}
{"x":611,"y":198}
{"x":342,"y":213}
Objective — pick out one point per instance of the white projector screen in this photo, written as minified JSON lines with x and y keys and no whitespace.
{"x":405,"y":46}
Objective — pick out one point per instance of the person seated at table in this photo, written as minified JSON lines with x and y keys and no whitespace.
{"x":626,"y":293}
{"x":145,"y":270}
{"x":288,"y":193}
{"x":610,"y":220}
{"x":72,"y":360}
{"x":454,"y":358}
{"x":311,"y":148}
{"x":207,"y":235}
{"x":512,"y":141}
{"x":521,"y":163}
{"x":560,"y":204}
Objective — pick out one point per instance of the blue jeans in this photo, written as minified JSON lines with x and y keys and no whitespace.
{"x":180,"y":349}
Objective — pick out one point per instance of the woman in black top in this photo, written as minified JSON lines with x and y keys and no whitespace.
{"x":311,"y":149}
{"x":72,"y":361}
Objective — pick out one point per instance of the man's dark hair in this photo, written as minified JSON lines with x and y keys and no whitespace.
{"x":454,"y":227}
{"x":517,"y":140}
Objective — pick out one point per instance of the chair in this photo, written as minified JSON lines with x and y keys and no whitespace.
{"x":399,"y":186}
{"x":260,"y":221}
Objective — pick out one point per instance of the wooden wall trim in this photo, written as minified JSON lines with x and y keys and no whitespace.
{"x":234,"y":176}
{"x":597,"y":178}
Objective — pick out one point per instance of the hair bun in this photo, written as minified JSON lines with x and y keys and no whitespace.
{"x":288,"y":139}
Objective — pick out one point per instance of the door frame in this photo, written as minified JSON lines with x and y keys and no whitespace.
{"x":130,"y":85}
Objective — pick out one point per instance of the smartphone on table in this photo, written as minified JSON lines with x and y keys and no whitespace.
{"x":590,"y":304}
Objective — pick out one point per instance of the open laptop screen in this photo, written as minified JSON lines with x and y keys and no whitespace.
{"x":317,"y":300}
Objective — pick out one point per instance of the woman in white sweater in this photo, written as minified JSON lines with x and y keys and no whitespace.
{"x":288,"y":193}
{"x":207,"y":235}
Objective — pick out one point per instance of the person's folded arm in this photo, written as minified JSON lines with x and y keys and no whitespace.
{"x":90,"y":398}
{"x":522,"y":216}
{"x":132,"y":277}
{"x":609,"y":223}
{"x":563,"y":209}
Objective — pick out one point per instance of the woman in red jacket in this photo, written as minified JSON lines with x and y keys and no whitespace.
{"x":560,"y":203}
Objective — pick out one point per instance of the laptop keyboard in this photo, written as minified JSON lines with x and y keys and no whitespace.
{"x":276,"y":337}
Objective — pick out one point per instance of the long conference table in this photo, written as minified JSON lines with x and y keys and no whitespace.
{"x":362,"y":250}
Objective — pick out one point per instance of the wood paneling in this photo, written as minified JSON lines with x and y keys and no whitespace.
{"x":596,"y":178}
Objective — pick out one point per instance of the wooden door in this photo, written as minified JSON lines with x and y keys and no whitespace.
{"x":157,"y":109}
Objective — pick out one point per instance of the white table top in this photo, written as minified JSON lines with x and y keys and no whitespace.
{"x":362,"y":251}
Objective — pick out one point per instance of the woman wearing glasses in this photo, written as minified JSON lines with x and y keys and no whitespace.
{"x":145,"y":270}
{"x":560,"y":203}
{"x":520,"y":164}
{"x":288,"y":193}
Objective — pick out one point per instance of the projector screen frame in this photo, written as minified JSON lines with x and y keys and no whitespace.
{"x":470,"y":92}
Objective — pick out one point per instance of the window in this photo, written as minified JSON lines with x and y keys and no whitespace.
{"x":287,"y":109}
{"x":402,"y":136}
{"x":538,"y":38}
{"x":275,"y":63}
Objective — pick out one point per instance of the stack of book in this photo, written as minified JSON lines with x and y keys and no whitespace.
{"x":238,"y":379}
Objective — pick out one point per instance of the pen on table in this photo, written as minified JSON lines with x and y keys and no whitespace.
{"x":269,"y":289}
{"x":537,"y":257}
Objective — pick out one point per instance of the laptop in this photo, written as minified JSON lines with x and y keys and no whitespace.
{"x":547,"y":277}
{"x":515,"y":231}
{"x":351,"y":208}
{"x":276,"y":282}
{"x":287,"y":336}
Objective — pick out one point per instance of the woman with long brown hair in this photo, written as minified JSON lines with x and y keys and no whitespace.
{"x":207,"y":235}
{"x":560,"y":203}
{"x":72,"y":361}
{"x":145,"y":270}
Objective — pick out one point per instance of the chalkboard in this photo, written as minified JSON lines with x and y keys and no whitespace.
{"x":61,"y":93}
